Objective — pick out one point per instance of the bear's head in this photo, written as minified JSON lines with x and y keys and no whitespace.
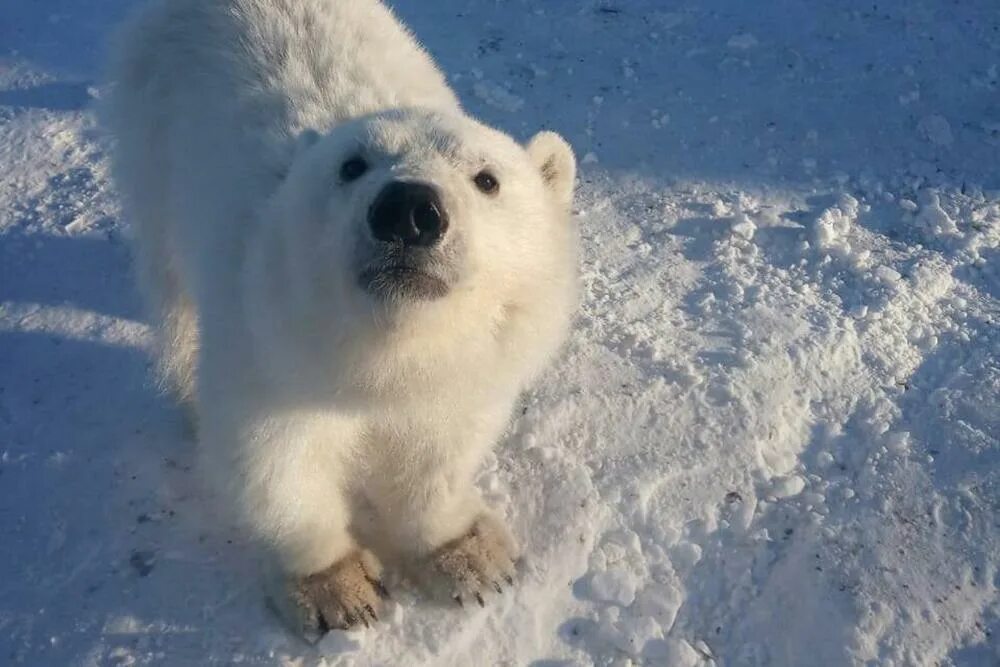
{"x":413,"y":243}
{"x":408,"y":207}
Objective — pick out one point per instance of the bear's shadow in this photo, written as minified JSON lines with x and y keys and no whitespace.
{"x":105,"y":515}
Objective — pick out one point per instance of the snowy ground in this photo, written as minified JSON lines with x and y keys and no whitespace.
{"x":773,"y":439}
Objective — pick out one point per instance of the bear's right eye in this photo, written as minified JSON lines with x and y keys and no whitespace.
{"x":486,"y":182}
{"x":353,"y":169}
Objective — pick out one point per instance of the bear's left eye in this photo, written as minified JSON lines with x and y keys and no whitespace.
{"x":353,"y":169}
{"x":487,"y":182}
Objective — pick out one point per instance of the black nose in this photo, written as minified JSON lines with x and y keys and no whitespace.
{"x":408,"y":213}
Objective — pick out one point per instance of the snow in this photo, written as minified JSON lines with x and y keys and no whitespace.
{"x":773,"y":438}
{"x":495,"y":96}
{"x":936,"y":128}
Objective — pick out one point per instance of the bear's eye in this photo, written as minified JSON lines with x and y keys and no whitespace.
{"x":353,"y":169}
{"x":487,"y":183}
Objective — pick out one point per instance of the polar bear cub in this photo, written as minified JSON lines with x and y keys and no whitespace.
{"x":351,"y":280}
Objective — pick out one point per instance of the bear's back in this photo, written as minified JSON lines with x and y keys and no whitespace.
{"x":225,"y":86}
{"x":324,"y":60}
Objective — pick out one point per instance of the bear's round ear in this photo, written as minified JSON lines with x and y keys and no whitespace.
{"x":553,"y":158}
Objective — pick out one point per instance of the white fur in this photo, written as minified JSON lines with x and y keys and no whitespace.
{"x":231,"y":119}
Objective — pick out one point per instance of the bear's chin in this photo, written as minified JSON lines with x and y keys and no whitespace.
{"x":402,"y":283}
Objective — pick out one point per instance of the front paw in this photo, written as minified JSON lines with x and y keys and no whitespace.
{"x":348,"y":593}
{"x":478,"y":562}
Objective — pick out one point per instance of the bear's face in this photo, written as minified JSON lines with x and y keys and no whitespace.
{"x":410,"y":207}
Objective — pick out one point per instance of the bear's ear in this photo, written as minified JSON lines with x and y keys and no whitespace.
{"x":553,"y":157}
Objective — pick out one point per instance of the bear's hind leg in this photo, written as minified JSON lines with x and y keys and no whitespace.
{"x":172,"y":310}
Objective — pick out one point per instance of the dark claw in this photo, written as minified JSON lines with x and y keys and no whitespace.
{"x":324,"y":627}
{"x":497,"y":588}
{"x":480,"y":600}
{"x":509,"y":579}
{"x":349,"y":619}
{"x":371,"y":612}
{"x":380,"y":588}
{"x":361,"y":614}
{"x":458,"y":599}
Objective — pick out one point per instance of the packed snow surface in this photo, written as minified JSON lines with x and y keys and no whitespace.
{"x":773,"y":438}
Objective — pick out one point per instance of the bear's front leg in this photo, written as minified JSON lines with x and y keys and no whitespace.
{"x":435,"y":515}
{"x":285,"y":478}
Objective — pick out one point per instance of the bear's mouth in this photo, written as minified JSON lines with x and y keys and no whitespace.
{"x":397,"y":281}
